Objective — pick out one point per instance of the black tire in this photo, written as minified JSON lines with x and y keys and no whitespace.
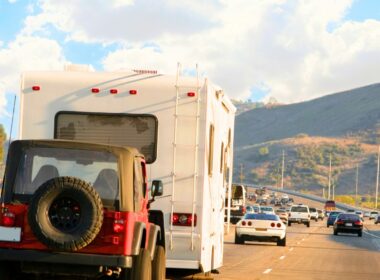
{"x":65,"y":214}
{"x":281,"y":242}
{"x":5,"y":272}
{"x":360,"y":233}
{"x":238,"y":239}
{"x":142,"y":268}
{"x":159,"y":264}
{"x":308,"y":224}
{"x":335,"y":232}
{"x":289,"y":224}
{"x":328,"y":225}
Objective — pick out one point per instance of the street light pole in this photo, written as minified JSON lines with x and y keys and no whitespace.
{"x":377,"y":178}
{"x":282,"y":169}
{"x":356,"y":185}
{"x":329,"y":192}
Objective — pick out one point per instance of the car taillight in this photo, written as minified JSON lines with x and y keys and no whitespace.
{"x":278,"y":225}
{"x":358,"y":223}
{"x":183,"y":219}
{"x":249,"y":223}
{"x":289,"y":215}
{"x":243,"y":223}
{"x":339,"y":222}
{"x":8,"y":219}
{"x":272,"y":224}
{"x":243,"y":209}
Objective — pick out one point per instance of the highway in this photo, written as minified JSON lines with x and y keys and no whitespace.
{"x":311,"y":253}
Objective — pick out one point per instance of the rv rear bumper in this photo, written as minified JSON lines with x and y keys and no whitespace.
{"x":65,"y":258}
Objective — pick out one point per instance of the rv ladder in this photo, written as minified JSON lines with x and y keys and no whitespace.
{"x":176,"y":145}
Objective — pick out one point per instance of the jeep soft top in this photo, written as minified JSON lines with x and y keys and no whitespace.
{"x":82,"y":207}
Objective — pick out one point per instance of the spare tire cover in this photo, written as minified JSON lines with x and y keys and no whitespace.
{"x":65,"y":213}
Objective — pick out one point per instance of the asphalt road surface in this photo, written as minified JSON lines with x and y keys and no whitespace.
{"x":311,"y":253}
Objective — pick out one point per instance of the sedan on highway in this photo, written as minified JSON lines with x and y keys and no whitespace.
{"x":377,"y":219}
{"x":373,"y":215}
{"x":350,"y":223}
{"x":260,"y":227}
{"x":332,"y":217}
{"x":267,"y":210}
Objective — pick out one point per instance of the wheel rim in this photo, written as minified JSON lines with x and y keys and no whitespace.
{"x":65,"y":214}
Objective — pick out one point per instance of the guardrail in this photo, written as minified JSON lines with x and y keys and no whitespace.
{"x":339,"y":205}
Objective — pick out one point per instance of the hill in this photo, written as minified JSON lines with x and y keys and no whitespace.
{"x":337,"y":115}
{"x":345,"y":125}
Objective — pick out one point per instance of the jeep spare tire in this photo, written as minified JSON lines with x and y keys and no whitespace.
{"x":65,"y":213}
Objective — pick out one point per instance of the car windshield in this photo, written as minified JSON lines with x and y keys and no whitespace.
{"x":334,"y":214}
{"x":261,"y":217}
{"x":313,"y":210}
{"x":266,"y":209}
{"x":38,"y":165}
{"x":299,"y":209}
{"x":344,"y":216}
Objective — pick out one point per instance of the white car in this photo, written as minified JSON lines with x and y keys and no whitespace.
{"x":260,"y":227}
{"x":360,"y":214}
{"x":299,"y":214}
{"x":373,"y":215}
{"x":313,"y":213}
{"x":267,"y":210}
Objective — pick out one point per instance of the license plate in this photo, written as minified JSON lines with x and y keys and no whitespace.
{"x":11,"y":234}
{"x":348,"y":225}
{"x":261,"y":229}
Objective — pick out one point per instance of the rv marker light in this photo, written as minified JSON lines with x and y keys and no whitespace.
{"x":36,"y":88}
{"x":113,"y":91}
{"x":95,"y":90}
{"x":191,"y":94}
{"x":133,"y":91}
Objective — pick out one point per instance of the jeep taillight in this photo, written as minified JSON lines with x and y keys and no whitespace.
{"x":118,"y":226}
{"x":8,"y":219}
{"x":183,"y":219}
{"x":118,"y":222}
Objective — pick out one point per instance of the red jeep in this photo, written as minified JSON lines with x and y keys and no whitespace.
{"x":78,"y":210}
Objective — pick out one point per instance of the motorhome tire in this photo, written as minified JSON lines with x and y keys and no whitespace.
{"x":5,"y":272}
{"x":65,"y":213}
{"x":159,"y":264}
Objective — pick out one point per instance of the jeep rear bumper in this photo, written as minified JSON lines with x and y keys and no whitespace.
{"x":65,"y":258}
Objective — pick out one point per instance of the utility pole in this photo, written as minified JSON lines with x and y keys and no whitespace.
{"x":282,"y":169}
{"x":377,"y":178}
{"x":241,"y":173}
{"x":357,"y":184}
{"x":329,"y":192}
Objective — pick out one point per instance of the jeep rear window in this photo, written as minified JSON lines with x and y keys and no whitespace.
{"x":38,"y":165}
{"x":299,"y":209}
{"x":133,"y":130}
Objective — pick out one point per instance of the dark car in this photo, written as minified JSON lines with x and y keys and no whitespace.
{"x":350,"y":223}
{"x":332,"y":217}
{"x":377,"y":219}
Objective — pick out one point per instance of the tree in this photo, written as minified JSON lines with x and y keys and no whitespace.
{"x":263,"y":151}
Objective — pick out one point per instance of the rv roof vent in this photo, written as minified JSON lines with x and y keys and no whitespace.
{"x":78,"y":68}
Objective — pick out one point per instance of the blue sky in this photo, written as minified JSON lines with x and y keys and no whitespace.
{"x":264,"y":50}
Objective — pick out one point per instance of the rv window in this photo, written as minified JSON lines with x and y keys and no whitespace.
{"x":139,"y":131}
{"x":211,"y":151}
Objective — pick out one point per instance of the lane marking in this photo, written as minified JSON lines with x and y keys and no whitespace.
{"x":373,"y":235}
{"x":282,"y":257}
{"x":291,"y":249}
{"x":267,"y":271}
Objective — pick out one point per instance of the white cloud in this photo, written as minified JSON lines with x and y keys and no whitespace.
{"x":24,"y":54}
{"x":12,"y":1}
{"x":288,"y":46}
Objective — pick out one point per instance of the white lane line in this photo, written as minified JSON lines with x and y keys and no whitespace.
{"x":373,"y":235}
{"x":267,"y":271}
{"x":282,"y":257}
{"x":291,"y":249}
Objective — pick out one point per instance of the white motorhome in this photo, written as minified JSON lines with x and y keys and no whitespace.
{"x":184,"y":127}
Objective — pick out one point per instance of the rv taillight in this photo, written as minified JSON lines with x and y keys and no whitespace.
{"x":36,"y":88}
{"x":8,"y":219}
{"x":183,"y":219}
{"x":113,"y":91}
{"x":95,"y":90}
{"x":191,"y":94}
{"x":133,"y":91}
